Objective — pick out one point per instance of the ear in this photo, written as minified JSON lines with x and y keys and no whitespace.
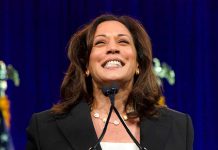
{"x":137,"y":70}
{"x":87,"y":72}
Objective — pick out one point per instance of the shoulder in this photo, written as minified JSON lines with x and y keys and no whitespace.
{"x":43,"y":114}
{"x":38,"y":122}
{"x":173,"y":114}
{"x":46,"y":115}
{"x":181,"y":126}
{"x":40,"y":119}
{"x":176,"y":117}
{"x":171,"y":127}
{"x":179,"y":120}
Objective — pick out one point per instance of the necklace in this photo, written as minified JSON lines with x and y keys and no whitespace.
{"x":115,"y":122}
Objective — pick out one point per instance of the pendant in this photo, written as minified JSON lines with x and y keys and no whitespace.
{"x":115,"y":122}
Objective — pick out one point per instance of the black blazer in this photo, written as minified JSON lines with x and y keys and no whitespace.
{"x":171,"y":131}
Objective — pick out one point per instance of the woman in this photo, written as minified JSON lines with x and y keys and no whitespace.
{"x":110,"y":50}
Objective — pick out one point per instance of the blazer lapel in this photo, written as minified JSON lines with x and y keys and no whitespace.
{"x":154,"y":132}
{"x":78,"y":128}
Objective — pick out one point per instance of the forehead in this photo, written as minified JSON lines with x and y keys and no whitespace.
{"x":112,"y":27}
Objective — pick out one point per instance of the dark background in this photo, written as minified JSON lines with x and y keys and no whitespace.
{"x":34,"y":35}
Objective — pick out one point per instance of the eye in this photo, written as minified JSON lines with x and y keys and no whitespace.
{"x":99,"y":42}
{"x":123,"y":41}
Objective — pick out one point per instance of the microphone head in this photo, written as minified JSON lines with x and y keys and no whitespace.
{"x":111,"y":89}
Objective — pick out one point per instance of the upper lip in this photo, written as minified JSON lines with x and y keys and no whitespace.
{"x":113,"y":59}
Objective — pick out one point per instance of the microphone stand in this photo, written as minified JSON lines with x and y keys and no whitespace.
{"x":111,"y":92}
{"x":103,"y":132}
{"x":127,"y":129}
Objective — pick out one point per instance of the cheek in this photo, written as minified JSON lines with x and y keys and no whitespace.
{"x":95,"y":57}
{"x":131,"y":55}
{"x":132,"y":58}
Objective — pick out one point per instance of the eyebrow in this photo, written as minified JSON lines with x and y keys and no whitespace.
{"x":119,"y":35}
{"x":100,"y":35}
{"x":123,"y":35}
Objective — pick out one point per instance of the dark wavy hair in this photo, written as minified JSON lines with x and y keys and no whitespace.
{"x":143,"y":99}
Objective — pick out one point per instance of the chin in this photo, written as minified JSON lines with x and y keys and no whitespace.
{"x":114,"y":77}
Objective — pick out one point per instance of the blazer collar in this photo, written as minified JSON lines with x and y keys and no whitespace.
{"x":78,"y":129}
{"x":154,"y":132}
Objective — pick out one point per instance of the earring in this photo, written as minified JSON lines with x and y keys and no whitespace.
{"x":87,"y":73}
{"x":137,"y":71}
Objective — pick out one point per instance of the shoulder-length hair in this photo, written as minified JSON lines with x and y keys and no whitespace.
{"x":76,"y":86}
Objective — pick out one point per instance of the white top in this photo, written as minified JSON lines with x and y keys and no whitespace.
{"x":118,"y":146}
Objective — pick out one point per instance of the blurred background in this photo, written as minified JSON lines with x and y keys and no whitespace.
{"x":184,"y":34}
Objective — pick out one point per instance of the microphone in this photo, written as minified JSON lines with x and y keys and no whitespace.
{"x":111,"y":91}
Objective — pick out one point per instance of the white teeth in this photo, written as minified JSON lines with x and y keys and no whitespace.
{"x":113,"y":63}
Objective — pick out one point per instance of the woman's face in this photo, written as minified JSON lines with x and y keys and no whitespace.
{"x":113,"y":56}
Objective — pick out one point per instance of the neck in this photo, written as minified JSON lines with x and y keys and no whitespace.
{"x":102,"y":103}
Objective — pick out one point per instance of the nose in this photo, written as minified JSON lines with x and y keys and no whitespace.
{"x":112,"y":48}
{"x":113,"y":51}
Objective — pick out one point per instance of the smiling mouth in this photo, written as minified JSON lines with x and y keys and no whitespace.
{"x":113,"y":64}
